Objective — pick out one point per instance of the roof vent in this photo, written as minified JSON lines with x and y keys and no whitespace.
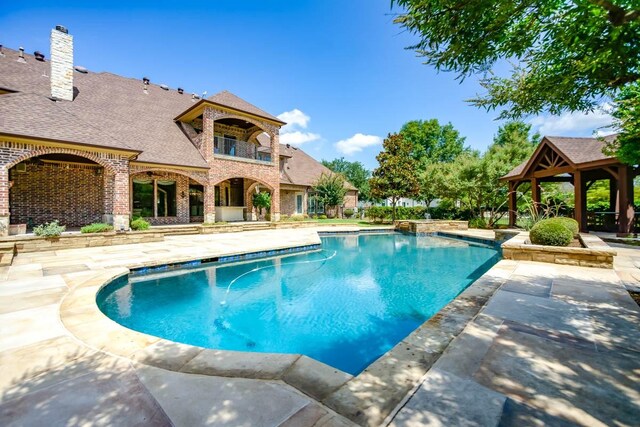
{"x":39,"y":56}
{"x":180,"y":90}
{"x":146,"y":80}
{"x":81,"y":69}
{"x":62,"y":29}
{"x":195,"y":96}
{"x":164,"y":87}
{"x":1,"y":53}
{"x":21,"y":54}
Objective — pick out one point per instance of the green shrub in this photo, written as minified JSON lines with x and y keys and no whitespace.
{"x":296,"y":217}
{"x":96,"y":227}
{"x":550,"y":232}
{"x":139,"y":224}
{"x":49,"y":229}
{"x":478,"y":223}
{"x":348,"y":213}
{"x":322,"y":217}
{"x":570,"y":223}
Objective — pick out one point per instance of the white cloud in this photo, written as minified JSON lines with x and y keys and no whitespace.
{"x":292,"y":133}
{"x":357,"y":143}
{"x":298,"y":138}
{"x":295,"y":119}
{"x":568,"y":123}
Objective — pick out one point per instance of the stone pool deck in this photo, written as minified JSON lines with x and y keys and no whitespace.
{"x":554,"y":345}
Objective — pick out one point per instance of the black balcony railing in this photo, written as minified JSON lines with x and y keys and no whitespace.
{"x":243,"y":149}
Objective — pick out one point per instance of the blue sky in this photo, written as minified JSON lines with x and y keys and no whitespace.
{"x":337,"y":70}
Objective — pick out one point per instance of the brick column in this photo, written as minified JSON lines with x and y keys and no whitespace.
{"x":210,"y":201}
{"x":275,"y":158}
{"x":4,"y":202}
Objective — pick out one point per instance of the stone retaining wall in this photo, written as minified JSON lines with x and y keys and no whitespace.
{"x":24,"y":244}
{"x":431,"y":226}
{"x":595,"y":252}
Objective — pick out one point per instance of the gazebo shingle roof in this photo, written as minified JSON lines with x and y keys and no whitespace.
{"x":577,"y":150}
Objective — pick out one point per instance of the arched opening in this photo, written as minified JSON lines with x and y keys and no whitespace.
{"x":236,"y":137}
{"x":234,"y":199}
{"x":58,"y":186}
{"x":165,"y":197}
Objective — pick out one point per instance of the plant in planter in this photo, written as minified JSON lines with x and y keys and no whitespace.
{"x":49,"y":229}
{"x":97,"y":227}
{"x":551,"y":232}
{"x":139,"y":224}
{"x":348,"y":213}
{"x":262,"y":200}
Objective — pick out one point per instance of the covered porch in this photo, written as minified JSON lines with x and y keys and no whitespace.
{"x":581,"y":163}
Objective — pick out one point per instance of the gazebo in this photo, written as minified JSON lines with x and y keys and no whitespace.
{"x":581,"y":162}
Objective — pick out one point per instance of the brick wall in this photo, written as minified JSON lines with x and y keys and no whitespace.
{"x":72,"y":194}
{"x":351,"y":200}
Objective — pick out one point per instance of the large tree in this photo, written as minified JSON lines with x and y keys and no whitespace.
{"x":474,"y":179}
{"x":565,"y":55}
{"x":354,"y":172}
{"x":433,"y":142}
{"x":395,"y":177}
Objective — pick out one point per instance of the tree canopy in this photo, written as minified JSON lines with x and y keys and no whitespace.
{"x":395,"y":177}
{"x":474,"y":179}
{"x":433,"y":142}
{"x":354,"y":172}
{"x":564,"y":55}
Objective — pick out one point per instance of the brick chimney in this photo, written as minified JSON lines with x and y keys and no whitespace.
{"x":61,"y":64}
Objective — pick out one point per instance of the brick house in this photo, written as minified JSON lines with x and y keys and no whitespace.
{"x":82,"y":147}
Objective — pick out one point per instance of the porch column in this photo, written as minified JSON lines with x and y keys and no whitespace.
{"x":535,"y":193}
{"x":121,"y":200}
{"x":513,"y":208}
{"x":625,"y":201}
{"x":580,"y":194}
{"x":275,"y":158}
{"x":4,"y":201}
{"x":210,"y":202}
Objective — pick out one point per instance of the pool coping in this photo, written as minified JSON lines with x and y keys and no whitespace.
{"x":366,"y":399}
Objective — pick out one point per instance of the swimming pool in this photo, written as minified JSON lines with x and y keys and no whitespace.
{"x":344,"y":305}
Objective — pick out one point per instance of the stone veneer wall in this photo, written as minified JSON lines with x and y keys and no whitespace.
{"x":70,"y":193}
{"x":417,"y":227}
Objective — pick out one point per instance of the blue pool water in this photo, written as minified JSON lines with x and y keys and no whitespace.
{"x":344,"y":305}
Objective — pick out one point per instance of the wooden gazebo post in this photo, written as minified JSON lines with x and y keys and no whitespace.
{"x":625,"y":200}
{"x":580,"y":195}
{"x":513,"y":199}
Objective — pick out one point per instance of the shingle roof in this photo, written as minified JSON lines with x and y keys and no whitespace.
{"x":578,"y":150}
{"x":302,"y":169}
{"x":108,"y":110}
{"x":227,"y":99}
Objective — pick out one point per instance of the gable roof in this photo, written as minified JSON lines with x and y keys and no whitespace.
{"x":227,"y":99}
{"x":302,"y":169}
{"x":578,"y":151}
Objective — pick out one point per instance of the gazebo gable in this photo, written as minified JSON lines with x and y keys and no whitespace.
{"x":547,"y":160}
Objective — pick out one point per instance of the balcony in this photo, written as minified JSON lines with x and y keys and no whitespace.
{"x":242,"y":149}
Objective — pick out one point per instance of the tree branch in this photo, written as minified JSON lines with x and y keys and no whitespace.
{"x":618,"y":16}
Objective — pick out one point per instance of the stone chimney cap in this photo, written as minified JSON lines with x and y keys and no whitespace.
{"x":62,"y":29}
